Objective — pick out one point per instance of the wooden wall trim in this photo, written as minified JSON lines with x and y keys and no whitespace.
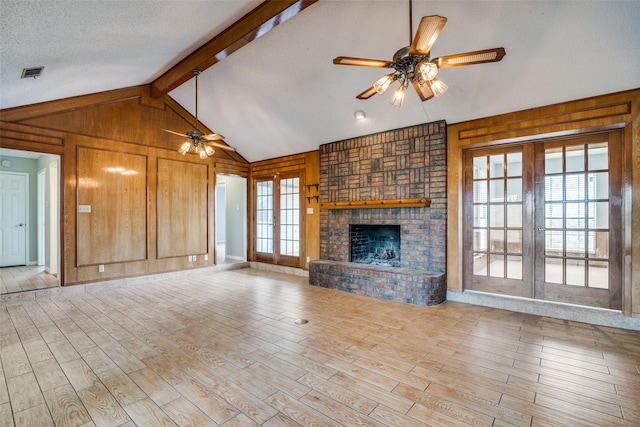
{"x":27,"y":134}
{"x":616,"y":110}
{"x":545,"y":123}
{"x":33,"y":111}
{"x":230,"y":167}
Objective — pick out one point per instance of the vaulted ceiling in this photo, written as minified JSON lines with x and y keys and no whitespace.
{"x":281,"y":94}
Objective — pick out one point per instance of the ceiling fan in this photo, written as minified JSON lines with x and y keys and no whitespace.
{"x":198,"y":142}
{"x":412,"y":64}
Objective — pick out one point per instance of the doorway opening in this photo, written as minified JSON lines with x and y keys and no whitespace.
{"x":33,"y":240}
{"x":230,"y":219}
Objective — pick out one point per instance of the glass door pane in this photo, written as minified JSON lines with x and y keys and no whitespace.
{"x":497,"y":215}
{"x":576,"y":206}
{"x":497,"y":223}
{"x":264,"y":217}
{"x":290,"y":217}
{"x":578,"y":260}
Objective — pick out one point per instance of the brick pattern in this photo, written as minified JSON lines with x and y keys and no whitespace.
{"x":402,"y":163}
{"x":394,"y":284}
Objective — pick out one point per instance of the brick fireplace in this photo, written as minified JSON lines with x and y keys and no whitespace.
{"x":394,"y":166}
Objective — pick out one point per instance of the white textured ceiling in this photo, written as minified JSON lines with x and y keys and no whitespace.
{"x":281,"y":94}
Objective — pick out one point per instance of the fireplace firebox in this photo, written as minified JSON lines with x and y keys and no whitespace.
{"x":377,"y":244}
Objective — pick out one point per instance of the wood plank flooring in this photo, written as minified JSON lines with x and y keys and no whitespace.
{"x":205,"y":349}
{"x":25,"y":278}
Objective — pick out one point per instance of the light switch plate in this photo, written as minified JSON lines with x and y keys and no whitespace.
{"x":84,"y":208}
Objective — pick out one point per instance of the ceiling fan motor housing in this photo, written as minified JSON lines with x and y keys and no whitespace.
{"x":195,"y":134}
{"x":405,"y":63}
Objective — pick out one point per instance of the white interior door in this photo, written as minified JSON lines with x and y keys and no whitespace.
{"x":13,"y":223}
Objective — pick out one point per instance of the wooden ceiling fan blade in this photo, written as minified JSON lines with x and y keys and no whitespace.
{"x":175,"y":133}
{"x":213,"y":137}
{"x":428,"y":31}
{"x":470,"y":58}
{"x":424,"y":90}
{"x":361,"y":62}
{"x":220,"y":145}
{"x":367,"y":93}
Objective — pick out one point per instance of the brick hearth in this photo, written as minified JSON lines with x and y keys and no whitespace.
{"x":400,"y":164}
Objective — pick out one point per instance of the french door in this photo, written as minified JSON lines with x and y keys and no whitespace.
{"x":277,"y":220}
{"x":544,"y":220}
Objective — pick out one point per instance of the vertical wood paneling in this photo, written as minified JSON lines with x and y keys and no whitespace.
{"x":125,"y":126}
{"x":182,"y":200}
{"x":632,"y":185}
{"x":312,"y":207}
{"x":113,"y":186}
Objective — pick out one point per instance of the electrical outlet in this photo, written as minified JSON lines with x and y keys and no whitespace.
{"x":189,"y":259}
{"x":194,"y":258}
{"x":206,"y":257}
{"x":308,"y":259}
{"x":101,"y":268}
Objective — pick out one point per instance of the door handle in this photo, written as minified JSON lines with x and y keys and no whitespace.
{"x":539,"y":229}
{"x":22,"y":224}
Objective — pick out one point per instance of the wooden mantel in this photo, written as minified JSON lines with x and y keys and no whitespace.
{"x":371,"y":204}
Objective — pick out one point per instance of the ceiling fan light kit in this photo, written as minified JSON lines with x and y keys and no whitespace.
{"x":398,"y":96}
{"x":437,"y":87}
{"x":413,"y":64}
{"x":199,"y":143}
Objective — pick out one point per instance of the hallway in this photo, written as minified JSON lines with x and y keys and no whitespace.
{"x":25,"y":278}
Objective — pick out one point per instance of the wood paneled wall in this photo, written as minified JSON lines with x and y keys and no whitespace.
{"x":112,"y":201}
{"x":308,"y":165}
{"x":129,"y":201}
{"x":182,"y":208}
{"x":618,"y":110}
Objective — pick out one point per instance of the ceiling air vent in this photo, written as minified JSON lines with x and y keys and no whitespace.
{"x":32,"y":72}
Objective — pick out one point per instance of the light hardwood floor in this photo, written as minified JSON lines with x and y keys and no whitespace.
{"x":199,"y":349}
{"x":25,"y":278}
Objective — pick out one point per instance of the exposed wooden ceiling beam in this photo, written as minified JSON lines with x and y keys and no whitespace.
{"x":254,"y":24}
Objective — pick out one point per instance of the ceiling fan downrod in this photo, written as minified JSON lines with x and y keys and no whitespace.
{"x":196,"y":73}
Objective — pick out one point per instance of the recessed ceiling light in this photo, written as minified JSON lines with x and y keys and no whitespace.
{"x":32,"y":72}
{"x":359,"y":115}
